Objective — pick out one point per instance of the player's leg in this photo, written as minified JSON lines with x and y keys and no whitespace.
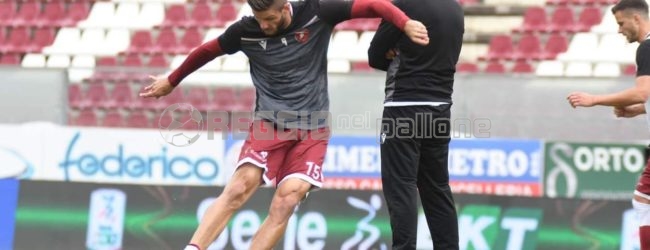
{"x":641,"y":204}
{"x":642,"y":207}
{"x":433,"y":183}
{"x":260,"y":157}
{"x":399,"y":159}
{"x":289,"y":193}
{"x":300,"y":173}
{"x":239,"y":189}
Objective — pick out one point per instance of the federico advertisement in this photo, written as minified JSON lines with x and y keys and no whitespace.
{"x":66,"y":215}
{"x":592,"y":171}
{"x":134,"y":156}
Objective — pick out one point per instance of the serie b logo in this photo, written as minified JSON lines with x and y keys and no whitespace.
{"x":180,"y":124}
{"x":302,"y":36}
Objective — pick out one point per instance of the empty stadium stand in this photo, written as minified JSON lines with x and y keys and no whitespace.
{"x":111,"y":47}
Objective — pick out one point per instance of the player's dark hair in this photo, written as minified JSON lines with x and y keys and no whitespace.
{"x":262,"y":5}
{"x":639,"y":6}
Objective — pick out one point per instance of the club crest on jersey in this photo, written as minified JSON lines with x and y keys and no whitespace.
{"x":302,"y":36}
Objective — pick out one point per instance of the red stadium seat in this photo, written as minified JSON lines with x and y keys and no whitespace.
{"x":141,"y":42}
{"x":557,"y":2}
{"x":583,"y":2}
{"x":562,"y":20}
{"x":132,"y":61}
{"x":162,"y":120}
{"x":27,"y":14}
{"x":18,"y":40}
{"x":121,"y":96}
{"x":495,"y":68}
{"x":113,"y":119}
{"x":500,"y":48}
{"x":158,"y":61}
{"x":75,"y":96}
{"x":138,"y":119}
{"x":199,"y":97}
{"x":467,"y":67}
{"x":96,"y":95}
{"x":43,"y":37}
{"x":529,"y":47}
{"x":166,"y":42}
{"x":86,"y":117}
{"x":105,"y":70}
{"x":176,"y":96}
{"x":108,"y":61}
{"x":53,"y":15}
{"x":188,"y":122}
{"x":191,"y":39}
{"x":201,"y":16}
{"x":77,"y":11}
{"x":246,"y":99}
{"x":629,"y":70}
{"x":607,"y":2}
{"x":534,"y":20}
{"x":225,"y":13}
{"x":3,"y":37}
{"x":224,"y":98}
{"x":522,"y":67}
{"x":557,"y":43}
{"x":361,"y":67}
{"x":10,"y":59}
{"x":589,"y":17}
{"x":7,"y":12}
{"x":175,"y":16}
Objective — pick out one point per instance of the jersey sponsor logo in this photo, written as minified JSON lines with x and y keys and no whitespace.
{"x":302,"y":36}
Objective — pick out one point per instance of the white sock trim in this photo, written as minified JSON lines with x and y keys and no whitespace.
{"x":191,"y":247}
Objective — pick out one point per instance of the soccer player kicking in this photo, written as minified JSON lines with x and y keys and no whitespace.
{"x":632,"y":19}
{"x":286,"y":43}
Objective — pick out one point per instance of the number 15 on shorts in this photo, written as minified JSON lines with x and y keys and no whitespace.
{"x":313,"y":170}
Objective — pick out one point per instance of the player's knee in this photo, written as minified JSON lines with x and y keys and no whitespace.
{"x":236,"y":194}
{"x":643,"y":212}
{"x":286,"y":201}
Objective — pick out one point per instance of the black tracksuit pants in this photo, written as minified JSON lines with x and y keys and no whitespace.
{"x":414,"y":155}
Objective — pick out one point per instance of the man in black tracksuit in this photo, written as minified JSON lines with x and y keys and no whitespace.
{"x":415,"y":130}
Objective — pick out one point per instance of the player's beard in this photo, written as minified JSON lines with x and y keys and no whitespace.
{"x":281,"y":24}
{"x":631,"y":36}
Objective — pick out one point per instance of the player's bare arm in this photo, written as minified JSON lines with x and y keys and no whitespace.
{"x":414,"y":29}
{"x":162,"y":86}
{"x":636,"y":95}
{"x":629,"y":111}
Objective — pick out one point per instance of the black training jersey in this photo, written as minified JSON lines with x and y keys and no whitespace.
{"x":643,"y":58}
{"x":420,"y":74}
{"x":289,"y":70}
